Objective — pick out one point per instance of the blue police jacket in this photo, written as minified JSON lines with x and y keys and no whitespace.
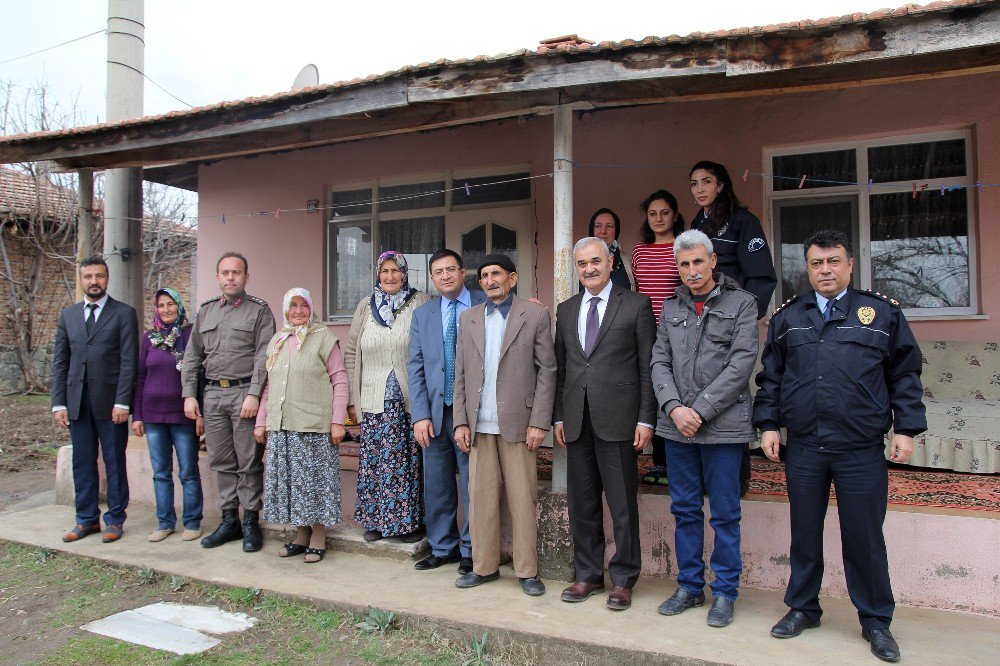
{"x":840,"y":384}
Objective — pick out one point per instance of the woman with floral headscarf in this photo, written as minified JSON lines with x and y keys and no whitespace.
{"x":159,"y":415}
{"x":390,"y":501}
{"x":302,"y":413}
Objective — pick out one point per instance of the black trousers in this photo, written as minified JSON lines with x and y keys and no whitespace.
{"x":595,"y":465}
{"x":862,"y":483}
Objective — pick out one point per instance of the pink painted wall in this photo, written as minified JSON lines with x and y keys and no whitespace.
{"x":289,"y":252}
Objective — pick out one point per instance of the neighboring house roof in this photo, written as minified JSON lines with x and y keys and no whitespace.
{"x":959,"y":36}
{"x":23,"y":195}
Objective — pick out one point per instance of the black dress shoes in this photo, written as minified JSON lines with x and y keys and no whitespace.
{"x":465,"y":566}
{"x":472,"y":579}
{"x":721,"y":612}
{"x":533,"y":587}
{"x":680,"y":602}
{"x":884,"y":646}
{"x":793,"y":624}
{"x":433,"y":562}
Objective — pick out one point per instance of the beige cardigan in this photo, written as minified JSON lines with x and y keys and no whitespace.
{"x":373,"y":351}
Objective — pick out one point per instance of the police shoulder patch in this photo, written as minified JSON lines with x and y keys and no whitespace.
{"x":257,"y":300}
{"x":784,"y":305}
{"x":756,"y":244}
{"x":884,"y":297}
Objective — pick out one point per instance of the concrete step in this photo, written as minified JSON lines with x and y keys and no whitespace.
{"x":938,"y":558}
{"x":349,"y":538}
{"x":539,"y":630}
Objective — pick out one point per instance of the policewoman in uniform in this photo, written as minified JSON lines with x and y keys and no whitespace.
{"x":841,"y":367}
{"x":229,"y":341}
{"x":736,"y":233}
{"x":739,"y":243}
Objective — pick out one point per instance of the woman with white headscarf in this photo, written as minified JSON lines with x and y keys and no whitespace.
{"x":302,"y":414}
{"x":390,"y":494}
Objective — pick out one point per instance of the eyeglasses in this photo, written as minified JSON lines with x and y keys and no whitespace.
{"x":450,"y":270}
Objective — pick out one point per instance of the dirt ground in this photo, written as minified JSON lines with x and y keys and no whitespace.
{"x":29,"y":440}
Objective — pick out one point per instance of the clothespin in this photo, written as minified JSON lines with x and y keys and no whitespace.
{"x":942,"y":190}
{"x":869,"y":186}
{"x":223,"y":218}
{"x":914,"y":190}
{"x":746,"y":172}
{"x":277,"y":214}
{"x":802,"y":182}
{"x":468,"y":190}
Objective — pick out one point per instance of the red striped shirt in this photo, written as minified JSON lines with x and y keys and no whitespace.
{"x":656,"y":273}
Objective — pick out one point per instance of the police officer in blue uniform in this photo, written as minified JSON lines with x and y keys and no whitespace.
{"x":840,"y":368}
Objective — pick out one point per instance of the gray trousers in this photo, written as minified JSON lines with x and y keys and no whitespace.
{"x":233,"y":454}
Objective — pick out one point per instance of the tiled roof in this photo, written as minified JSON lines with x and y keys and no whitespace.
{"x":21,"y":195}
{"x":567,"y":45}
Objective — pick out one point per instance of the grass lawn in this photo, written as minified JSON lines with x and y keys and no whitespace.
{"x":45,"y":596}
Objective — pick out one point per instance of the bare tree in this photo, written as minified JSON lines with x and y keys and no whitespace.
{"x":37,"y":226}
{"x":38,"y":218}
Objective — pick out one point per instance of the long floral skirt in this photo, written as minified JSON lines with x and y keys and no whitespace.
{"x":390,"y":499}
{"x":301,"y":479}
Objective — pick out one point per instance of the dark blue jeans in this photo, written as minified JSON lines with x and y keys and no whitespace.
{"x":163,"y":440}
{"x":692,"y":470}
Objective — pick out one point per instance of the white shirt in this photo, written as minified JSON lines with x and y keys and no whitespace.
{"x":100,"y":307}
{"x":602,"y":306}
{"x":488,"y":420}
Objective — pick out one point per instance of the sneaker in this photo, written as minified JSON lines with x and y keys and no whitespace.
{"x":159,"y":535}
{"x":653,"y":476}
{"x":191,"y":535}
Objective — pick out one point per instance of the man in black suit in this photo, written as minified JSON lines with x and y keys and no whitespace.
{"x":604,"y":414}
{"x":93,"y":377}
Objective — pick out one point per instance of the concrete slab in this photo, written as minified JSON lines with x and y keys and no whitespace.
{"x":210,"y":619}
{"x":134,"y":627}
{"x":557,"y":632}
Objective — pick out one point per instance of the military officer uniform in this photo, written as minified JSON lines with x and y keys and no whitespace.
{"x":838,"y":383}
{"x":229,"y":340}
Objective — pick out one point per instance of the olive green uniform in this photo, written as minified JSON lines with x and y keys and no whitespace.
{"x":229,"y":340}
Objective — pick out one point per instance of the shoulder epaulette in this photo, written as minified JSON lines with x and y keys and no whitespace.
{"x":207,"y":301}
{"x":257,"y":300}
{"x":784,"y":305}
{"x":876,"y":294}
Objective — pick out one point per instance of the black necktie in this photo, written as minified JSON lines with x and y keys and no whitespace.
{"x":91,"y":318}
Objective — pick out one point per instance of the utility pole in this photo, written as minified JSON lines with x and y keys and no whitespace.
{"x":123,"y":187}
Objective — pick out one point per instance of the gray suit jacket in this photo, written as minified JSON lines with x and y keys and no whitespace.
{"x":107,"y":359}
{"x":526,"y":376}
{"x":615,"y":379}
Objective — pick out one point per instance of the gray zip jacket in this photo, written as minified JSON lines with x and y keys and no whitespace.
{"x":706,"y":363}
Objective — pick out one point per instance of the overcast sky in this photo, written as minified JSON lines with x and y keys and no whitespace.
{"x":207,"y":51}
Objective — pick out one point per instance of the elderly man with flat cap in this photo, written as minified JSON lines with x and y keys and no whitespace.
{"x":505,"y":377}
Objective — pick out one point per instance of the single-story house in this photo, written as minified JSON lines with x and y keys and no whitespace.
{"x":884,"y":125}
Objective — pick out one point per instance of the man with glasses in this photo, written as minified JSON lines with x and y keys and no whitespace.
{"x":431,"y":369}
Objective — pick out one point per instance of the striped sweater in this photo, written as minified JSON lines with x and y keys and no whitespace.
{"x":656,"y":273}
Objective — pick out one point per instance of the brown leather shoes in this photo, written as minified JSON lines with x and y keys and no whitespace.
{"x":620,"y":598}
{"x":80,"y":531}
{"x":112,"y":533}
{"x":578,"y":592}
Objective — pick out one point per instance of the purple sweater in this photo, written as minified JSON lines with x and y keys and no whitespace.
{"x":158,"y":388}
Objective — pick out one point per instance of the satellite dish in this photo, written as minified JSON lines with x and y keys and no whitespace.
{"x":308,"y":76}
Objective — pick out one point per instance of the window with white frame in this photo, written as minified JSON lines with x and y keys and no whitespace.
{"x":411,"y":216}
{"x":907,"y":204}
